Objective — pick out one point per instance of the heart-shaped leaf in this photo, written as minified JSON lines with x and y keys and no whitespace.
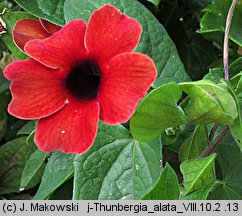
{"x":209,"y":103}
{"x":157,"y":112}
{"x":117,"y":166}
{"x":198,"y":173}
{"x":230,"y":160}
{"x":201,"y":194}
{"x":167,"y":187}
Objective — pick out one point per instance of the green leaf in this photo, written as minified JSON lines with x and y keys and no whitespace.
{"x":209,"y":103}
{"x":157,"y":112}
{"x":30,"y":138}
{"x":50,"y":10}
{"x":3,"y":4}
{"x":230,"y":160}
{"x":167,"y":187}
{"x":198,"y":173}
{"x":238,"y":89}
{"x":236,"y":82}
{"x":13,"y":156}
{"x":195,"y":144}
{"x":155,"y":41}
{"x":235,"y":67}
{"x":117,"y":166}
{"x":215,"y":16}
{"x":11,"y":18}
{"x":154,"y":2}
{"x":33,"y":169}
{"x":236,"y":128}
{"x":58,"y":170}
{"x":215,"y":75}
{"x":201,"y":194}
{"x":29,"y":128}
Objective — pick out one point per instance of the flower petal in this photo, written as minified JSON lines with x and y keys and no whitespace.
{"x":62,"y":48}
{"x":125,"y":82}
{"x":36,"y":90}
{"x":110,"y":32}
{"x":51,"y":28}
{"x":71,"y":130}
{"x":26,"y":30}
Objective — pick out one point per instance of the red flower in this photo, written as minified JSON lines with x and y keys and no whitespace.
{"x":29,"y":29}
{"x":78,"y":75}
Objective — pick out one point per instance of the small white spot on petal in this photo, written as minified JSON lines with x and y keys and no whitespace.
{"x":63,"y":132}
{"x":115,"y":38}
{"x":75,"y":111}
{"x":66,"y":101}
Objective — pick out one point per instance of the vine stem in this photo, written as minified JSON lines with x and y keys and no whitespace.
{"x":213,"y":131}
{"x":226,"y":39}
{"x":213,"y":144}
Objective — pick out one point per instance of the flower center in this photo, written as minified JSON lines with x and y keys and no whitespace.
{"x":83,"y":80}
